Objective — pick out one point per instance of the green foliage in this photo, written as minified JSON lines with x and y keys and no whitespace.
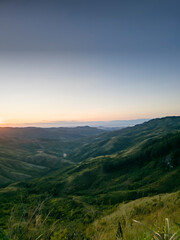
{"x":60,"y":235}
{"x":3,"y":235}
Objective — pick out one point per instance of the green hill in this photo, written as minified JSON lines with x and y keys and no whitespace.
{"x":33,"y":152}
{"x":151,"y":169}
{"x":116,"y":141}
{"x":115,"y":176}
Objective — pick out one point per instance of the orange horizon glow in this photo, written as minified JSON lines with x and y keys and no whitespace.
{"x":80,"y":117}
{"x":25,"y":122}
{"x":47,"y":88}
{"x":21,"y":122}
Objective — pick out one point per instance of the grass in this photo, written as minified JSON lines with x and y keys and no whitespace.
{"x":33,"y":220}
{"x":150,"y":210}
{"x":166,"y":235}
{"x":29,"y":223}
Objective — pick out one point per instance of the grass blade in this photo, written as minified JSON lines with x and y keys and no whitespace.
{"x":156,"y":234}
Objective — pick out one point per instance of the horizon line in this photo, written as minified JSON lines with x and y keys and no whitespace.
{"x":73,"y":122}
{"x":76,"y":123}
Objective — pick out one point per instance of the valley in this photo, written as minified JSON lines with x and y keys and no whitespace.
{"x":86,"y":181}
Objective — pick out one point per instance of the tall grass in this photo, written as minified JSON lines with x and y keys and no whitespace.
{"x":35,"y":222}
{"x":29,"y":223}
{"x":165,"y":235}
{"x":150,"y":210}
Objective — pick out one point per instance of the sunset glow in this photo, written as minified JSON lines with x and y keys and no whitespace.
{"x":82,"y":68}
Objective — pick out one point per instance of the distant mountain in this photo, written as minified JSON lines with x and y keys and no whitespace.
{"x":62,"y":133}
{"x":98,"y":124}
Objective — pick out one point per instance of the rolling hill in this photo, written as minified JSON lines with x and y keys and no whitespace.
{"x":33,"y":152}
{"x":127,"y":138}
{"x":61,"y":133}
{"x":106,"y":178}
{"x":151,"y":169}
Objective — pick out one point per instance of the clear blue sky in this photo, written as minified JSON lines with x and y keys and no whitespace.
{"x":89,"y":60}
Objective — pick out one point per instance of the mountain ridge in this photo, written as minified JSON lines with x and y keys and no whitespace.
{"x":63,"y":133}
{"x":115,"y":141}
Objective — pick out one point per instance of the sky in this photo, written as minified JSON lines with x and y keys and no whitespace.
{"x":87,"y":60}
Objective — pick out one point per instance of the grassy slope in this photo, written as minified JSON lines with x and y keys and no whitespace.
{"x":94,"y":196}
{"x":152,"y":169}
{"x":152,"y":211}
{"x":85,"y":191}
{"x":33,"y":152}
{"x":117,"y":141}
{"x":26,"y":157}
{"x":21,"y":159}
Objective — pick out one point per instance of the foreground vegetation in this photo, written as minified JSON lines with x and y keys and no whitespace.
{"x":151,"y":211}
{"x":36,"y":220}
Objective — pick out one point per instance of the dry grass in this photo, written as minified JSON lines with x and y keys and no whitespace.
{"x":29,"y":223}
{"x":150,"y":210}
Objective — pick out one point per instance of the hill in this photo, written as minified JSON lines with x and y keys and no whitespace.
{"x":129,"y":174}
{"x":153,"y":168}
{"x":117,"y":141}
{"x":33,"y":152}
{"x":152,"y":211}
{"x":61,"y":133}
